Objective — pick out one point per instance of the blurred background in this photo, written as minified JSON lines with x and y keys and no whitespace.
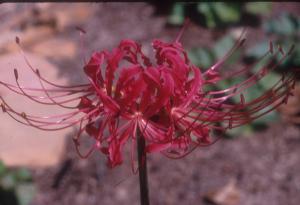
{"x":256,"y":164}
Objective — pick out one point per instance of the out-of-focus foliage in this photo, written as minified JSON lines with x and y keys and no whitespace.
{"x":216,"y":14}
{"x":16,"y":186}
{"x":177,"y":14}
{"x":219,"y":13}
{"x":286,"y":30}
{"x":258,"y":8}
{"x":204,"y":58}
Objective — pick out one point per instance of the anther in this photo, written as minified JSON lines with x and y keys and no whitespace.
{"x":291,"y":49}
{"x":80,"y":29}
{"x":271,"y":49}
{"x":280,"y":49}
{"x":242,"y":42}
{"x":242,"y":99}
{"x":23,"y":114}
{"x":3,"y":107}
{"x":37,"y":72}
{"x":16,"y":74}
{"x":17,"y":40}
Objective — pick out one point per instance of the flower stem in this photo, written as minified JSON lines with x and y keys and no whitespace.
{"x":142,"y":163}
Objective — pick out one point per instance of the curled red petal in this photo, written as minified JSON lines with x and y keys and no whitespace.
{"x":93,"y":69}
{"x":85,"y":103}
{"x":113,"y":61}
{"x":114,"y":154}
{"x":165,"y":91}
{"x":157,"y":147}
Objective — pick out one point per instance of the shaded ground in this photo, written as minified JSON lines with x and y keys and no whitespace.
{"x":265,"y":167}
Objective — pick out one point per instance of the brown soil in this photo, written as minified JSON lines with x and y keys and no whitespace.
{"x":265,"y":166}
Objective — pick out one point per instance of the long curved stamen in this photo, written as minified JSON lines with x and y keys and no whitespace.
{"x":35,"y":98}
{"x":248,"y":67}
{"x":43,"y":79}
{"x":58,"y":90}
{"x":185,"y":25}
{"x":82,"y":32}
{"x":191,"y":110}
{"x":237,"y":45}
{"x":264,"y":101}
{"x":49,"y":97}
{"x":31,"y":122}
{"x":237,"y":89}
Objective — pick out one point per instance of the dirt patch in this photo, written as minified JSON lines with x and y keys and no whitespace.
{"x":265,"y":168}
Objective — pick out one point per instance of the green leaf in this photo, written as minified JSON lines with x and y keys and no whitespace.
{"x":227,"y":12}
{"x":253,"y":92}
{"x":258,"y":50}
{"x":23,"y":174}
{"x":286,"y":24}
{"x":241,"y":131}
{"x":206,"y":9}
{"x":2,"y":168}
{"x":219,"y":13}
{"x":268,"y":118}
{"x":201,"y":57}
{"x":223,"y":46}
{"x":177,"y":14}
{"x":25,"y":193}
{"x":8,"y":181}
{"x":258,"y":7}
{"x":270,"y":79}
{"x":295,"y":57}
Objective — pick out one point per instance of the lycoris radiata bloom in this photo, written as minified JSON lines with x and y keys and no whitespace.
{"x":164,"y":101}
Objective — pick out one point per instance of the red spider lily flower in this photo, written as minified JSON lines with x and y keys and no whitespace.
{"x":165,"y":101}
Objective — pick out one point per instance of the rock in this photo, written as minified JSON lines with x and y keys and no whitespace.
{"x":227,"y":195}
{"x":28,"y":38}
{"x":43,"y":21}
{"x":21,"y":145}
{"x":11,"y":16}
{"x":64,"y":49}
{"x":72,"y":16}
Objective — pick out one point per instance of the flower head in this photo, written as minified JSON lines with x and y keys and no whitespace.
{"x":165,"y":101}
